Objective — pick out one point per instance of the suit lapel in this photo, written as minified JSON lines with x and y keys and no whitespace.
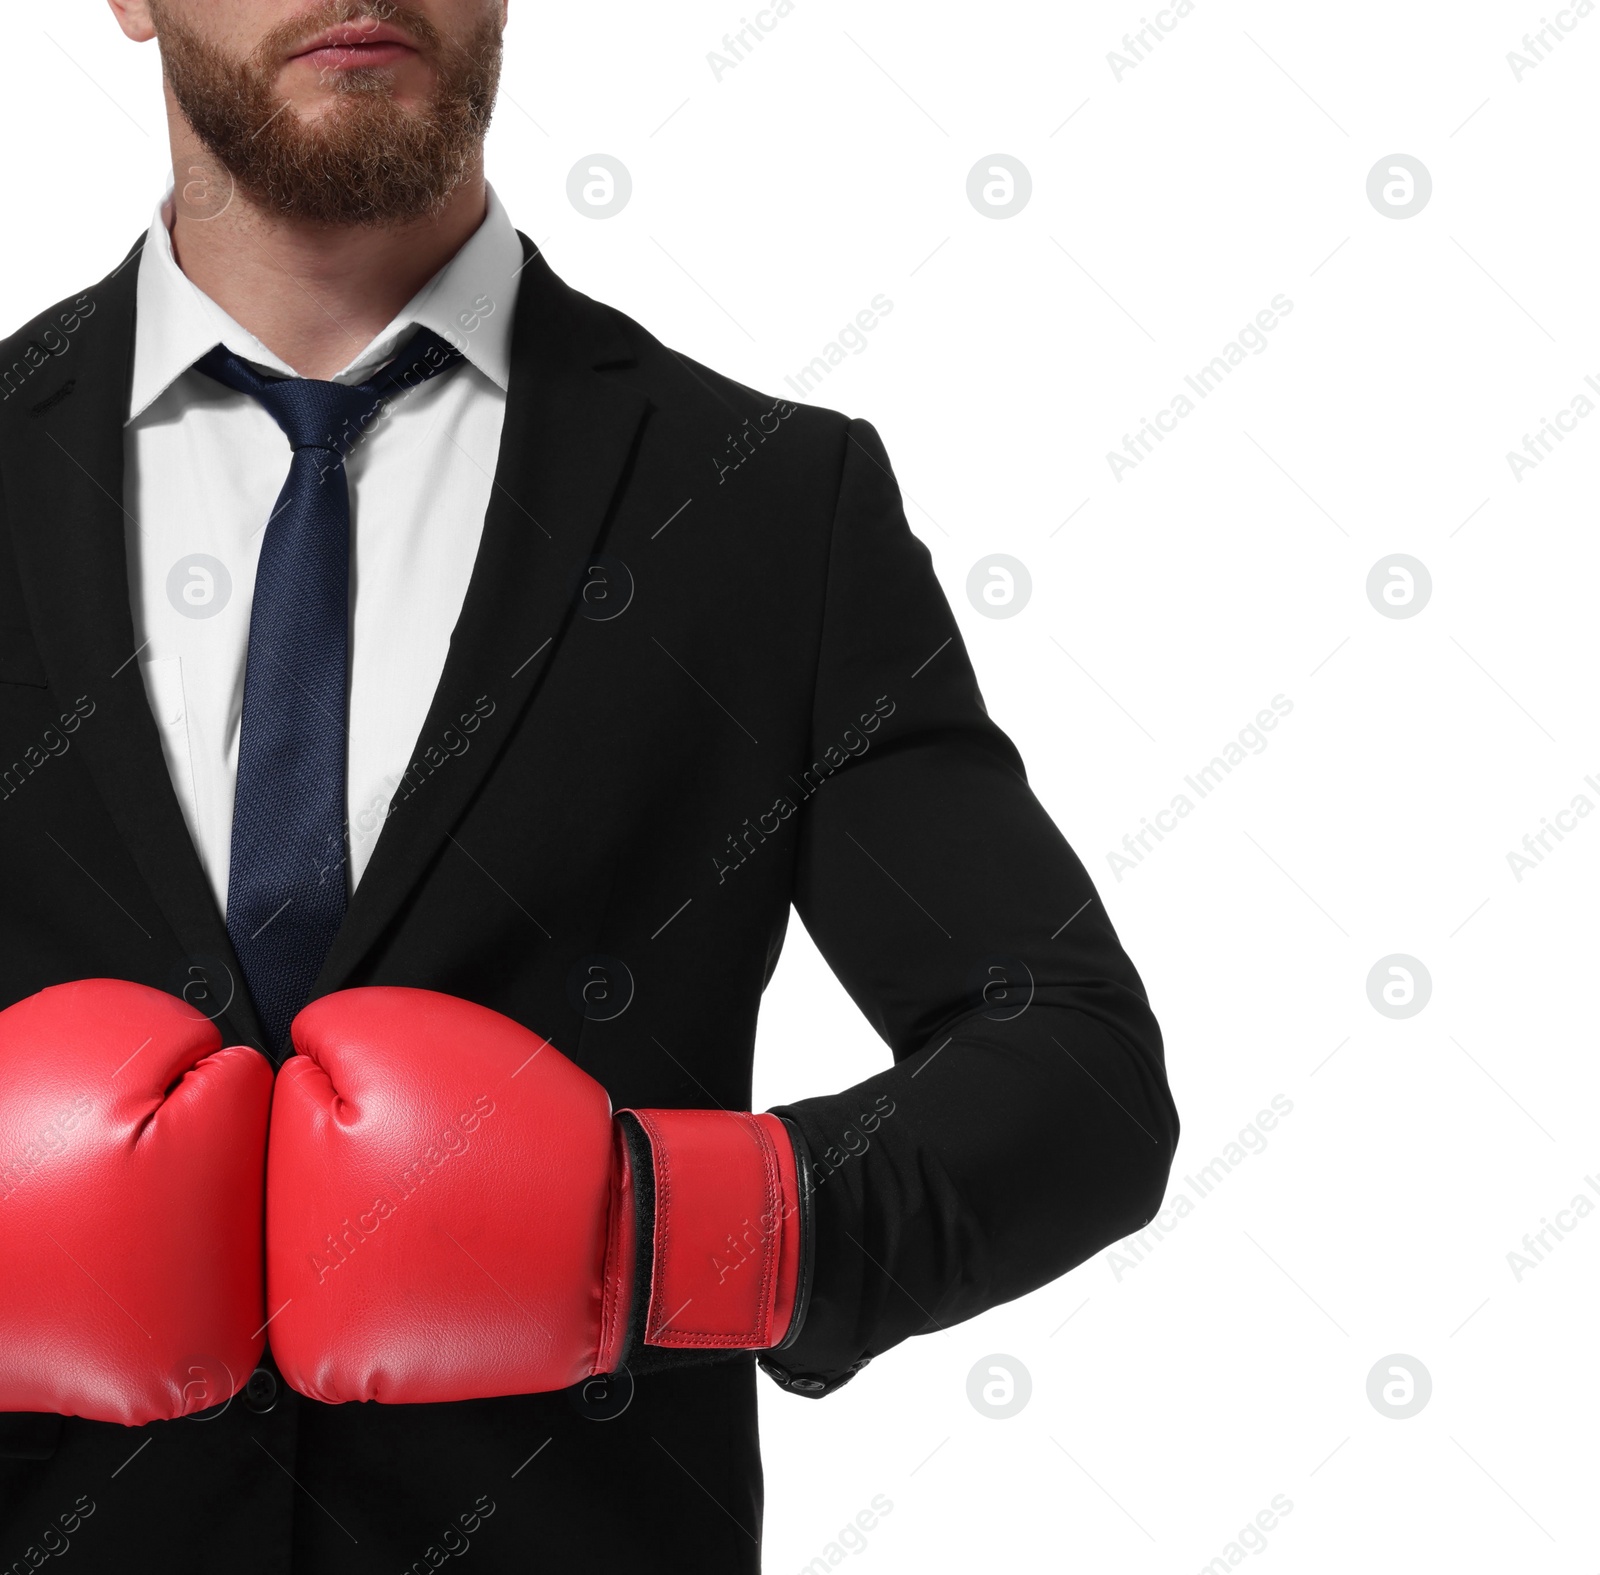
{"x":568,"y":434}
{"x":61,"y":454}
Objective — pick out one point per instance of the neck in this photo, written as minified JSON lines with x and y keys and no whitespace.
{"x":314,"y":294}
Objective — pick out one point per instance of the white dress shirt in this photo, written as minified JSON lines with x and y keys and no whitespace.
{"x":204,"y":465}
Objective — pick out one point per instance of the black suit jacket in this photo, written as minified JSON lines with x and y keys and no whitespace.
{"x":703,"y":672}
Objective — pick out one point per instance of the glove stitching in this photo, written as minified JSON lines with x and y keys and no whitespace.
{"x":771,"y":1241}
{"x":661,"y":1228}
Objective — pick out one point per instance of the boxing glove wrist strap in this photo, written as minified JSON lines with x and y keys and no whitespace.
{"x":719,"y":1219}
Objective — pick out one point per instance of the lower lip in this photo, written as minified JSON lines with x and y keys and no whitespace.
{"x":347,"y":57}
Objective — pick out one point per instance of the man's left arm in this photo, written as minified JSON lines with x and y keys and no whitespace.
{"x":1026,"y":1122}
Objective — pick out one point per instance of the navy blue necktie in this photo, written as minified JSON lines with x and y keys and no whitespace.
{"x":286,"y":869}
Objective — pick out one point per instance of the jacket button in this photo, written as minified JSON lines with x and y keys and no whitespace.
{"x":261,"y":1390}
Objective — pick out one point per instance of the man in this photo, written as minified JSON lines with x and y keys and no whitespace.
{"x":389,"y":627}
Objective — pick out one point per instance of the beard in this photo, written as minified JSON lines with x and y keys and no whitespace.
{"x":367,"y":160}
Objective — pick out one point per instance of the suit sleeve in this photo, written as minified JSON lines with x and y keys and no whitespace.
{"x":1026,"y":1121}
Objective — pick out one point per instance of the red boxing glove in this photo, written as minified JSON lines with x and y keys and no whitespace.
{"x":132,"y":1164}
{"x":453,"y":1211}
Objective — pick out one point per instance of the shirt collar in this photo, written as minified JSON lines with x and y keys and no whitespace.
{"x":468,"y":303}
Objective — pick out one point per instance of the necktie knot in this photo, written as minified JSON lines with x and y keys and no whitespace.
{"x":315,"y":414}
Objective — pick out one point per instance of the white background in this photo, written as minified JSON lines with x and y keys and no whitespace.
{"x":1174,"y":1397}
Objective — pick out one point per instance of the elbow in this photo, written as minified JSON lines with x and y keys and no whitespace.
{"x":1150,"y":1162}
{"x":1151,"y":1171}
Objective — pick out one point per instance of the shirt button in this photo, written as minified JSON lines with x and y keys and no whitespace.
{"x":261,"y":1390}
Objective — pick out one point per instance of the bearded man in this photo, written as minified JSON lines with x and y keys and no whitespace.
{"x":423,"y":696}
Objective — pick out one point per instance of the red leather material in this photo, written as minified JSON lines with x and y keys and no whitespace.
{"x":439,"y":1199}
{"x":727,"y":1229}
{"x":451,"y":1212}
{"x":132,"y":1159}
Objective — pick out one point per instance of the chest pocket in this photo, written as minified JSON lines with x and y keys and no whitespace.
{"x":19,"y":658}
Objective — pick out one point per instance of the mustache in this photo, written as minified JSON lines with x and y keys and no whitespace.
{"x":283,"y":39}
